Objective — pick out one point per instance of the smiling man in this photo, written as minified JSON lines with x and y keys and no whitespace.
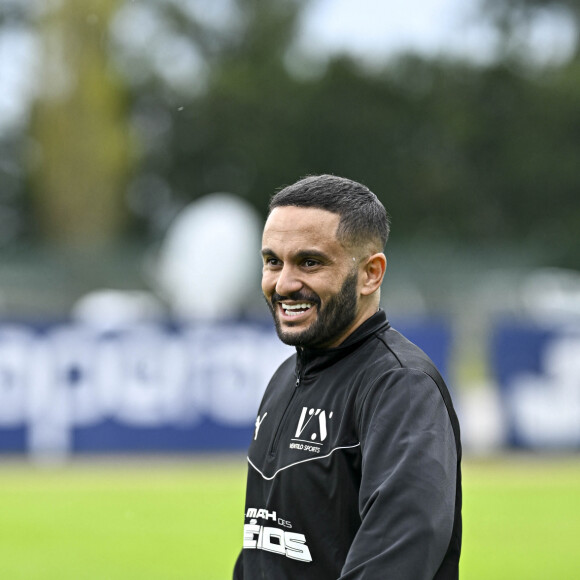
{"x":354,"y":468}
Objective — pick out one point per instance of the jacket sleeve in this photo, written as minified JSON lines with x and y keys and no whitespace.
{"x":238,"y":568}
{"x":407,"y":490}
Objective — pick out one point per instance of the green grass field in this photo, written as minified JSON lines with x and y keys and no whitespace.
{"x":167,"y":519}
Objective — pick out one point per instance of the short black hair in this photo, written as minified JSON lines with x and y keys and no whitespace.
{"x":363,"y":218}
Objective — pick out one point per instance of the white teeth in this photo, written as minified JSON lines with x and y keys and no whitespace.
{"x":300,"y":308}
{"x":296,"y":306}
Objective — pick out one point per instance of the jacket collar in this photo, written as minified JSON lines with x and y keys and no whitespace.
{"x":313,"y":360}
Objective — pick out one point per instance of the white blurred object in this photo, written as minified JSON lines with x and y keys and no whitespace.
{"x":208,"y":265}
{"x":483,"y":426}
{"x":552,"y":295}
{"x":115,"y":309}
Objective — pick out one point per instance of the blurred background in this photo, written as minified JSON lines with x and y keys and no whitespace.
{"x":140,"y":141}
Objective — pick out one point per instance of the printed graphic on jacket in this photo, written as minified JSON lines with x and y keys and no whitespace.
{"x":258,"y":535}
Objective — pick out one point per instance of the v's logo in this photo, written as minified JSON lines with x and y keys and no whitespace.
{"x":306,"y":417}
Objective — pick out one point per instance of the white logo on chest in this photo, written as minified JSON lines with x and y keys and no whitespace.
{"x":315,"y":431}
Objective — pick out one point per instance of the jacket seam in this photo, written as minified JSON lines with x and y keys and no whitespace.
{"x":270,"y":478}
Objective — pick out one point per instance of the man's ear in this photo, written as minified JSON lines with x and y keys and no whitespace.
{"x":373,"y":272}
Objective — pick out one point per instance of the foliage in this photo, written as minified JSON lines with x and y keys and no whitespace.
{"x":455,"y":150}
{"x":221,"y":100}
{"x":79,"y":127}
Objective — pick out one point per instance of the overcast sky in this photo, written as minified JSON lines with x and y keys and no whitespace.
{"x":372,"y":28}
{"x":375,"y":28}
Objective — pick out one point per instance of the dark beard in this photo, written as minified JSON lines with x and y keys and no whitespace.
{"x":332,"y":320}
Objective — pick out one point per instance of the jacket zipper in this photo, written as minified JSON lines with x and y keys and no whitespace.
{"x":284,"y":418}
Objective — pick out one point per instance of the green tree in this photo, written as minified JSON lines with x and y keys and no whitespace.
{"x":81,"y":157}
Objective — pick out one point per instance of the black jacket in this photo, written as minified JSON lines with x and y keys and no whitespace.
{"x":354,"y":469}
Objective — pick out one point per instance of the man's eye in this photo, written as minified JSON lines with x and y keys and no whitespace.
{"x":310,"y":263}
{"x":272,"y":262}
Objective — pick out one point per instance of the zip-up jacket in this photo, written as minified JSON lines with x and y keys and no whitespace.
{"x":354,"y":468}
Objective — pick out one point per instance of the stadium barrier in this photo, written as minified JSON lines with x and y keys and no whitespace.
{"x":537,"y":368}
{"x":67,"y":388}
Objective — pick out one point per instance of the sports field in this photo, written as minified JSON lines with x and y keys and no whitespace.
{"x":164,"y":519}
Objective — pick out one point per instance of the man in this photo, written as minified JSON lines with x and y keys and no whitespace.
{"x":354,"y":467}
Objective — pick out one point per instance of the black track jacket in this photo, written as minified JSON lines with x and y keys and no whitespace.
{"x":354,"y":468}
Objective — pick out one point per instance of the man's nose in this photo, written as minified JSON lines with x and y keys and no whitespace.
{"x":287,"y":281}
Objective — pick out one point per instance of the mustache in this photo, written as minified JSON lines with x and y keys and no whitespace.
{"x":296,"y":296}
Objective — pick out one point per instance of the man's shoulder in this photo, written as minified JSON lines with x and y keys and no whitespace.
{"x":398,"y":352}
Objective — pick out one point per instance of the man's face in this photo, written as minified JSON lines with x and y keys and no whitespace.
{"x":309,"y":279}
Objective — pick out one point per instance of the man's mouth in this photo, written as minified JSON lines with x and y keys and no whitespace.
{"x":295,"y":309}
